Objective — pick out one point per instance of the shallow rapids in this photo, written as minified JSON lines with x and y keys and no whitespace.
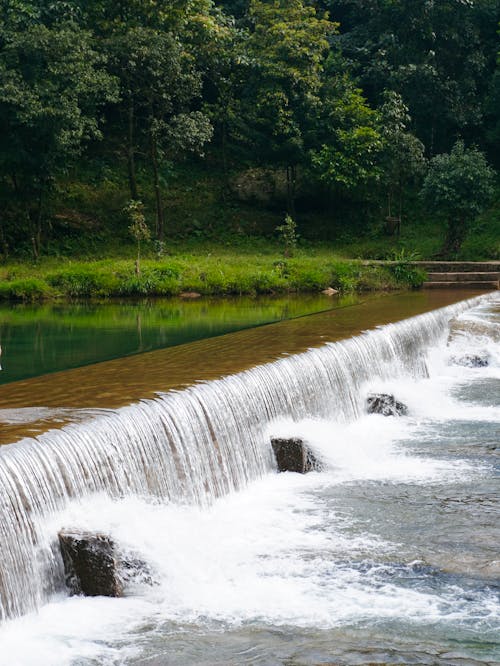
{"x":389,"y":555}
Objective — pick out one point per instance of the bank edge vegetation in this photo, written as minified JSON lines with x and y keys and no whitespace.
{"x":138,"y":126}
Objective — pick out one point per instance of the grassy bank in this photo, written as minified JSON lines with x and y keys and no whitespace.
{"x":217,"y":272}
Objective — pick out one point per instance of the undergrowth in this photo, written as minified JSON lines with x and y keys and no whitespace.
{"x":217,"y":275}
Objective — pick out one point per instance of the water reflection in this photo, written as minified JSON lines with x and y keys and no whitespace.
{"x":38,"y":339}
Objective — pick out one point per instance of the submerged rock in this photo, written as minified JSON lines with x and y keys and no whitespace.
{"x":385,"y":404}
{"x":93,"y":566}
{"x":90,"y":564}
{"x":468,"y":360}
{"x":292,"y":455}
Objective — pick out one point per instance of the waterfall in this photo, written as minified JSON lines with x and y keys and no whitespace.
{"x":187,"y":446}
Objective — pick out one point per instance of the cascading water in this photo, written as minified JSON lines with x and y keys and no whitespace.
{"x":189,"y":446}
{"x":166,"y":461}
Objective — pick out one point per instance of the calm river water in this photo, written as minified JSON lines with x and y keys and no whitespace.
{"x":37,"y":339}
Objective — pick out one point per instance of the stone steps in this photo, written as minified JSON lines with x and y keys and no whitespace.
{"x":464,"y":277}
{"x":460,"y":274}
{"x":481,"y":284}
{"x":458,"y":266}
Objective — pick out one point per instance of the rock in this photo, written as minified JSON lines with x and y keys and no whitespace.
{"x":468,"y":360}
{"x":261,"y":185}
{"x":459,"y":327}
{"x":190,"y":294}
{"x":94,"y":567}
{"x":330,"y":291}
{"x":385,"y":404}
{"x":90,"y":564}
{"x":292,"y":455}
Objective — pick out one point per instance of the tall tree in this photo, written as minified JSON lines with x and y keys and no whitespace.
{"x":402,"y":155}
{"x":458,"y":186}
{"x":345,"y":141}
{"x":159,"y":84}
{"x":52,"y":85}
{"x":287,"y":47}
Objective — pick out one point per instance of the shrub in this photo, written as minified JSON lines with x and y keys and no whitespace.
{"x":27,"y":289}
{"x":83,"y":282}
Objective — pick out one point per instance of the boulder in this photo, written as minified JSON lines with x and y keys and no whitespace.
{"x":468,"y":360}
{"x":90,"y":564}
{"x":385,"y":404}
{"x":292,"y":455}
{"x":93,"y":566}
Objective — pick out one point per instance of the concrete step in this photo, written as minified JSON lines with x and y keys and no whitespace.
{"x":463,"y":277}
{"x":458,"y":266}
{"x":472,"y":284}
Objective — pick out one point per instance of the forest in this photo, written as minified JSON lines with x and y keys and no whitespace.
{"x":156,"y":121}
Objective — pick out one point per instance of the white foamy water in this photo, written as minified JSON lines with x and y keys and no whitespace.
{"x":236,"y":550}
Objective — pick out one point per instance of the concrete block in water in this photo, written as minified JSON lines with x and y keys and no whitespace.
{"x":292,"y":455}
{"x":385,"y":404}
{"x":90,"y":564}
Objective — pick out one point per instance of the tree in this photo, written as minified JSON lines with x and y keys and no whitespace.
{"x":52,"y":86}
{"x":286,"y":47}
{"x":345,"y":140}
{"x":402,"y":156}
{"x":138,"y":228}
{"x":458,"y":186}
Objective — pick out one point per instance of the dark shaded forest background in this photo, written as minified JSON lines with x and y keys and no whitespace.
{"x":355,"y":118}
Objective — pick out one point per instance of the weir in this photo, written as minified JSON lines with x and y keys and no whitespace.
{"x":186,"y":446}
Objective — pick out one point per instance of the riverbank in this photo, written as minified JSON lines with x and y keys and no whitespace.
{"x":214,"y":272}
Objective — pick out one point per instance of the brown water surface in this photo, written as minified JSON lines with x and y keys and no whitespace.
{"x":32,"y":406}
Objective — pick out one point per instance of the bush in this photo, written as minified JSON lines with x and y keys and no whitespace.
{"x":27,"y":289}
{"x":83,"y":282}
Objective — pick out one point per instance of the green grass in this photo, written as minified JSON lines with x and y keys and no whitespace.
{"x":219,"y":273}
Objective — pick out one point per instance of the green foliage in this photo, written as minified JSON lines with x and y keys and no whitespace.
{"x":83,"y":281}
{"x":138,"y":228}
{"x":288,"y":235}
{"x":402,"y":154}
{"x":347,"y":140}
{"x":403,"y":270}
{"x":159,"y":83}
{"x":52,"y":86}
{"x":231,"y":274}
{"x":439,"y":56}
{"x":287,"y":47}
{"x":458,"y":186}
{"x":172,"y":103}
{"x":27,"y":290}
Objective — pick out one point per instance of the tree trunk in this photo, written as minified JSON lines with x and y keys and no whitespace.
{"x":291,"y":179}
{"x":38,"y":220}
{"x":400,"y":208}
{"x":131,"y":154}
{"x":3,"y":243}
{"x":456,"y":233}
{"x":160,"y":224}
{"x":225,"y":186}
